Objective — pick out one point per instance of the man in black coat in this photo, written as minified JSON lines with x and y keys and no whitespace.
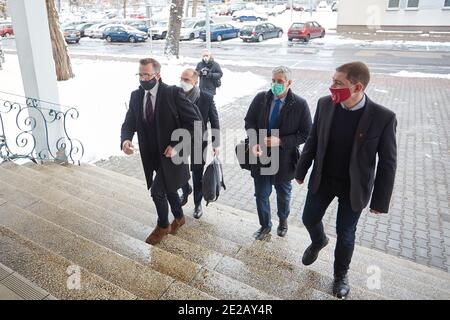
{"x":210,"y":73}
{"x":155,"y":112}
{"x":205,"y":103}
{"x":348,"y":133}
{"x":279,"y":122}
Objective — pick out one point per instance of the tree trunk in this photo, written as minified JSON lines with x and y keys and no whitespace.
{"x":173,"y":34}
{"x":194,"y":8}
{"x":59,"y":46}
{"x":124,"y":9}
{"x":3,"y":9}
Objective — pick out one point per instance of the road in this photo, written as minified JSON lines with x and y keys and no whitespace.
{"x":319,"y":54}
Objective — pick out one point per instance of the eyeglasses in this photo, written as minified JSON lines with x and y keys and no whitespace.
{"x":146,"y":76}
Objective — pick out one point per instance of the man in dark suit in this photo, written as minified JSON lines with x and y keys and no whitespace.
{"x":348,"y":133}
{"x":205,"y":103}
{"x":279,"y":121}
{"x":156,"y":111}
{"x":210,"y":73}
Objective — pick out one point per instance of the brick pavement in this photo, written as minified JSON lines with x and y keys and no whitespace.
{"x":418,"y":225}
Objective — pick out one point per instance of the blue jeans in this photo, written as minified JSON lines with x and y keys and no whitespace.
{"x":346,"y":221}
{"x":263,"y":190}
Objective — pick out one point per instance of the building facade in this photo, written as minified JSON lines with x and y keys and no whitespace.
{"x":394,"y":15}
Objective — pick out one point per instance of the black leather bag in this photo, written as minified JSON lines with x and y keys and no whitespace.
{"x":212,"y":181}
{"x":242,"y":151}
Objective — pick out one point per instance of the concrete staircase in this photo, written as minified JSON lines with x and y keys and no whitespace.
{"x":53,"y":217}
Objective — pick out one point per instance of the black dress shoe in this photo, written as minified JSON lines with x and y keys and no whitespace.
{"x":198,"y":212}
{"x":261,"y":233}
{"x":282,"y":228}
{"x":185,"y":196}
{"x":341,"y":287}
{"x":312,"y":252}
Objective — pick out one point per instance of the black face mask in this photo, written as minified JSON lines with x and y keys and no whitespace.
{"x":148,"y":84}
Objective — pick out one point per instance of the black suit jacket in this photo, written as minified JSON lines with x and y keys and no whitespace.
{"x":208,"y":109}
{"x":167,"y":120}
{"x":375,"y":135}
{"x":294,"y":124}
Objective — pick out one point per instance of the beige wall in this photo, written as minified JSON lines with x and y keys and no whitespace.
{"x":373,"y":13}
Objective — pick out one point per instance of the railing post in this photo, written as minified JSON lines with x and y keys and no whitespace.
{"x":34,"y":49}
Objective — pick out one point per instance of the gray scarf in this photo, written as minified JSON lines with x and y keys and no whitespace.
{"x":194,"y":94}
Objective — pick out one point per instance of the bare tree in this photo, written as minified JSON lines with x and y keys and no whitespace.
{"x":3,"y":9}
{"x":173,"y":34}
{"x":194,"y":7}
{"x":59,"y":46}
{"x":124,"y":9}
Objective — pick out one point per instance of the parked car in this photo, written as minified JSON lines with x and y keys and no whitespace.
{"x":305,"y":31}
{"x":82,"y":28}
{"x":249,"y":15}
{"x":6,"y":30}
{"x":221,"y":32}
{"x":190,"y":28}
{"x":260,"y":32}
{"x":295,"y":6}
{"x":71,"y":35}
{"x":96,"y":30}
{"x":334,"y":6}
{"x":276,"y":10}
{"x":124,"y":33}
{"x":159,"y":30}
{"x":323,"y":6}
{"x":140,"y":25}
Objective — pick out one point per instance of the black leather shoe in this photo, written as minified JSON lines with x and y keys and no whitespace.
{"x":312,"y":252}
{"x":282,"y":228}
{"x":198,"y":212}
{"x":185,"y":197}
{"x":261,"y":233}
{"x":341,"y":287}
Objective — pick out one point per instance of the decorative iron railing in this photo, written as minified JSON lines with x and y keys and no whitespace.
{"x":29,"y":131}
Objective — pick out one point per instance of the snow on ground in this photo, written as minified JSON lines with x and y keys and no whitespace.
{"x":408,"y":74}
{"x":101,"y":90}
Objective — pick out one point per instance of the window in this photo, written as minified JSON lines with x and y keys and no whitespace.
{"x":413,"y":4}
{"x":447,"y":4}
{"x":270,"y":27}
{"x":394,"y":4}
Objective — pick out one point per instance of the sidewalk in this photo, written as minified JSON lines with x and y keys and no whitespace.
{"x":418,"y":225}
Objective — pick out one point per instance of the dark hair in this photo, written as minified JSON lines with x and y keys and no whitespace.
{"x":156,"y":65}
{"x":356,"y":72}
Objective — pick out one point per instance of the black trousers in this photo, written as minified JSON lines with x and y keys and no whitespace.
{"x":315,"y":206}
{"x":162,"y":199}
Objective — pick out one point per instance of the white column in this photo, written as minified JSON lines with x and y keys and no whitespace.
{"x":34,"y":49}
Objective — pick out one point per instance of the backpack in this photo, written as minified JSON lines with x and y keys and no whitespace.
{"x":212,"y":181}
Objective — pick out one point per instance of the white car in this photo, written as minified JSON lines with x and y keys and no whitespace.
{"x":96,"y":31}
{"x":159,"y":30}
{"x":190,"y":28}
{"x":323,"y":6}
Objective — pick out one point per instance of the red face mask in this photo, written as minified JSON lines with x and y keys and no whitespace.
{"x":340,"y":94}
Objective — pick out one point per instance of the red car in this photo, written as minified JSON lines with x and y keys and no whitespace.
{"x":306,"y":31}
{"x":6,"y":30}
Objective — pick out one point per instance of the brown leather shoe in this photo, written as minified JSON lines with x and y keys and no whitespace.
{"x":157,"y":235}
{"x":176,"y":224}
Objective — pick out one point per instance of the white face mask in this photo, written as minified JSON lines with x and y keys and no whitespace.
{"x":186,"y":86}
{"x":206,"y":59}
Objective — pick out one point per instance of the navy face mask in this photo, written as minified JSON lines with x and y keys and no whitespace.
{"x":148,"y":84}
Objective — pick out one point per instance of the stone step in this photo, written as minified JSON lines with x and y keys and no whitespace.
{"x":137,"y":250}
{"x":190,"y":251}
{"x":362,"y":268}
{"x":143,"y":282}
{"x":49,"y":270}
{"x":362,"y":250}
{"x":192,"y":235}
{"x":133,"y":248}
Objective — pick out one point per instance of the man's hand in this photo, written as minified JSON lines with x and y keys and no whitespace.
{"x":272,"y":141}
{"x":216,"y":152}
{"x":256,"y":150}
{"x":127,"y":147}
{"x":170,"y":152}
{"x":374,"y":211}
{"x":299,"y":181}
